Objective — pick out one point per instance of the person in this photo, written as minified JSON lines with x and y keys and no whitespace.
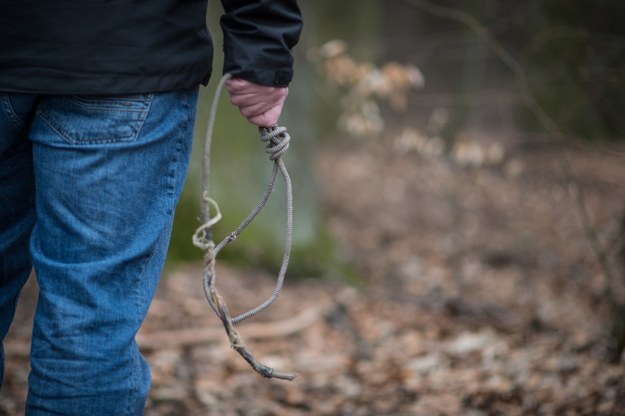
{"x":97,"y":106}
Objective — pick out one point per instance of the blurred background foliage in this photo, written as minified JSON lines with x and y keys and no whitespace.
{"x":425,"y":67}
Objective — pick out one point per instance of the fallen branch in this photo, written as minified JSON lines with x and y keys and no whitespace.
{"x":237,"y":344}
{"x":194,"y":336}
{"x":207,"y":335}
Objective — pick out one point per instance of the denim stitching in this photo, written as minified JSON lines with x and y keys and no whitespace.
{"x":135,"y":375}
{"x":58,"y":129}
{"x":17,"y":122}
{"x":141,"y":276}
{"x":170,"y":191}
{"x":136,"y":126}
{"x":177,"y":156}
{"x":113,"y":102}
{"x":145,"y":114}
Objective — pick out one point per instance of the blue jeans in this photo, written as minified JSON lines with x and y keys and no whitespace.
{"x":88,"y":188}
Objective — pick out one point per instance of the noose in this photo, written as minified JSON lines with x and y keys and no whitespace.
{"x":276,"y":141}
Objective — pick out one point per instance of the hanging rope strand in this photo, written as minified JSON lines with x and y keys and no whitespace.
{"x":276,"y":141}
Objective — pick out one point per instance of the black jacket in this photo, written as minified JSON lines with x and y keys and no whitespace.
{"x":137,"y":46}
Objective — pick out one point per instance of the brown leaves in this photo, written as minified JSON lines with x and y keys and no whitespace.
{"x":360,"y":86}
{"x":490,"y":313}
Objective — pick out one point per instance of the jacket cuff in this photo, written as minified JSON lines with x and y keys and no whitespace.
{"x":258,"y":39}
{"x":270,"y":77}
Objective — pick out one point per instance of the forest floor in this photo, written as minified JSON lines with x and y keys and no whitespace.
{"x":480,"y":295}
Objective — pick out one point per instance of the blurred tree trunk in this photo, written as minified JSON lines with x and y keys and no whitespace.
{"x":240,"y":168}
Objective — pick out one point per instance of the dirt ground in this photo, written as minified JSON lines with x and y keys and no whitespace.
{"x":480,"y":295}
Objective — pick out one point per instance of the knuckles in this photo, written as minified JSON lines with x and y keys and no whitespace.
{"x":261,"y":105}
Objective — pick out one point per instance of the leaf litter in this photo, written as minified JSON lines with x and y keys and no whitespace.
{"x":479,"y":297}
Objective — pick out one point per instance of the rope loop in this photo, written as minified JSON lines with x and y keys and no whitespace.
{"x":276,"y":141}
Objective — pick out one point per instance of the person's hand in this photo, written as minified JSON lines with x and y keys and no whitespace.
{"x":260,"y":104}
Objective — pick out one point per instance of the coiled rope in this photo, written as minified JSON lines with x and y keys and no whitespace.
{"x":276,"y":140}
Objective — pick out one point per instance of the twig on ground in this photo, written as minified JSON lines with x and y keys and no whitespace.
{"x":194,"y":336}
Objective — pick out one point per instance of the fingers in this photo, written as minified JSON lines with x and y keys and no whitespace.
{"x":255,"y":105}
{"x":268,"y":118}
{"x":260,"y":104}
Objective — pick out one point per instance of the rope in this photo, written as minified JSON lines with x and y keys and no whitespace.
{"x":276,"y":140}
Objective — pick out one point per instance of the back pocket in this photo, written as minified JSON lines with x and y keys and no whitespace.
{"x":94,"y":119}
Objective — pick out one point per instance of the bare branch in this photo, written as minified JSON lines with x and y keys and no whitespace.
{"x":551,"y":127}
{"x":194,"y":336}
{"x":543,"y":118}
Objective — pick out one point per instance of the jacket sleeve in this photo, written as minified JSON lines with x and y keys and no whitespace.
{"x":258,"y":37}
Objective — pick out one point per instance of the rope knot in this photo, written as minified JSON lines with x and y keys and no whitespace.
{"x":201,"y":236}
{"x":276,"y":140}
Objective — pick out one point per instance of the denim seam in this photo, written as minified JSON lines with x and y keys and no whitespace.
{"x":17,"y":122}
{"x":176,"y":159}
{"x":171,"y":194}
{"x":71,"y":141}
{"x":134,"y":374}
{"x":146,"y":113}
{"x":140,"y":278}
{"x":171,"y":203}
{"x":135,"y":133}
{"x":103,"y":104}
